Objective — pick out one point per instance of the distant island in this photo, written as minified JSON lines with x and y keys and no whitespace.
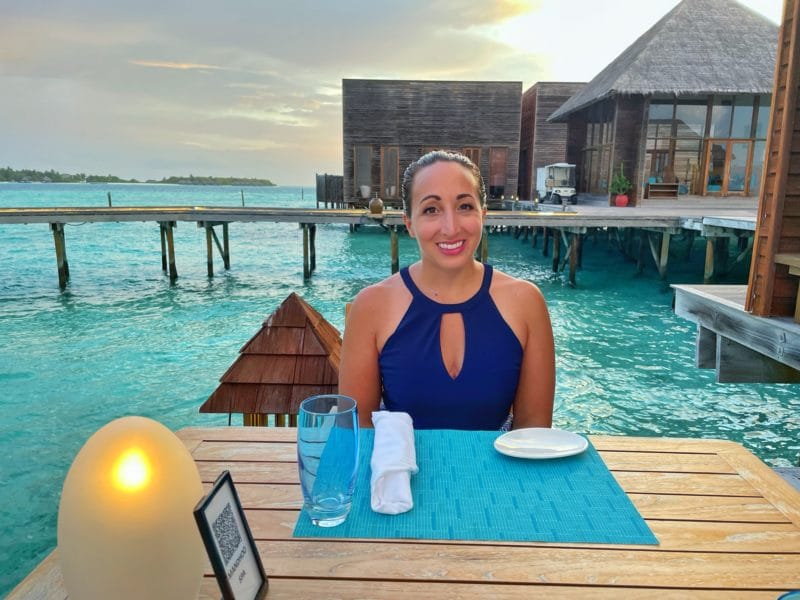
{"x":34,"y":176}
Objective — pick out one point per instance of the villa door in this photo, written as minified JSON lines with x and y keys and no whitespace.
{"x":728,"y":164}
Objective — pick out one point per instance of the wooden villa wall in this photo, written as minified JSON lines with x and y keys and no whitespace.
{"x":772,"y":291}
{"x":576,"y":138}
{"x":546,"y":143}
{"x":525,"y":183}
{"x":627,"y":141}
{"x":417,"y":115}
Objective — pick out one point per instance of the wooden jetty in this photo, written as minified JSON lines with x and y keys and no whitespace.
{"x":651,"y":227}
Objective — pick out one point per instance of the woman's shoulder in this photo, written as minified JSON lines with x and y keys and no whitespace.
{"x":379,"y":298}
{"x":506,"y":285}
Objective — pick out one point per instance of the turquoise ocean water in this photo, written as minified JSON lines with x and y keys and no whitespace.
{"x":121,"y":340}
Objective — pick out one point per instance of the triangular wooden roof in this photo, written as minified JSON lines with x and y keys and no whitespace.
{"x":699,"y":47}
{"x":294,"y":355}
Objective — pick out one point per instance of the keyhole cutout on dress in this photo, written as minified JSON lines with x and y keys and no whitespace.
{"x":451,"y":342}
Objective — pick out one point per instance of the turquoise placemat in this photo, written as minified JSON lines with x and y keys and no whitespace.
{"x":466,"y":490}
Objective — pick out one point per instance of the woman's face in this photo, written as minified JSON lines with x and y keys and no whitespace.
{"x":446,"y":214}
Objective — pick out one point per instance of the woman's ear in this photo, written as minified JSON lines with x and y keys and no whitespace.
{"x":408,"y":225}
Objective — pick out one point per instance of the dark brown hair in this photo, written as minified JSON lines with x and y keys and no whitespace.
{"x":435,"y":156}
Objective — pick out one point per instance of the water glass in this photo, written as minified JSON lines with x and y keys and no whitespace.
{"x":327,"y":456}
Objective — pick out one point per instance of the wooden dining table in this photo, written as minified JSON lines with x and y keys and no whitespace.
{"x":727,"y":526}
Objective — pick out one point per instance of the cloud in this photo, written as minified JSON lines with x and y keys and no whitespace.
{"x":172,"y":65}
{"x":149,"y":88}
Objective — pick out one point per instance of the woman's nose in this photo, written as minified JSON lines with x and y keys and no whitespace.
{"x":448,"y":221}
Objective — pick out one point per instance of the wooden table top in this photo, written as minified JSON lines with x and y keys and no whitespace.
{"x":728,"y":526}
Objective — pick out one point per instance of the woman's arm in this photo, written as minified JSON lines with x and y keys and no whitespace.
{"x":359,"y":376}
{"x":533,"y":404}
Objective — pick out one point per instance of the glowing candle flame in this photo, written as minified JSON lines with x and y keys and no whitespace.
{"x":132,"y":471}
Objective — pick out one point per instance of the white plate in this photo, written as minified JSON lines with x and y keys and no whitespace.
{"x":540,"y":442}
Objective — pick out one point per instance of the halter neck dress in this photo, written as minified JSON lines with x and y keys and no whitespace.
{"x":415,"y":378}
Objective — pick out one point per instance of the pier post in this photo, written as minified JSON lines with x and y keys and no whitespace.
{"x":556,"y":251}
{"x":485,"y":245}
{"x":224,"y":247}
{"x":545,"y":241}
{"x":708,"y":270}
{"x":664,"y":258}
{"x":163,"y":247}
{"x":168,"y":258}
{"x":313,"y":246}
{"x":226,"y":254}
{"x":209,"y":249}
{"x":306,"y":252}
{"x":721,"y":245}
{"x":394,"y":249}
{"x":640,"y":252}
{"x":61,"y":254}
{"x":575,"y":249}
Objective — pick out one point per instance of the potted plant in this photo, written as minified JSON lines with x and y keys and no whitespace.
{"x":620,"y":186}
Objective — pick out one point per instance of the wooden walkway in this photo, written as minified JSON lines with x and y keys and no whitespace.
{"x":651,"y":226}
{"x":741,"y":347}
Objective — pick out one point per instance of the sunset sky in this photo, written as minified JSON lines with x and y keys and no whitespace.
{"x":252,"y":88}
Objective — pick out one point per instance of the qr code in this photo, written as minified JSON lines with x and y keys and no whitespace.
{"x":226,"y":533}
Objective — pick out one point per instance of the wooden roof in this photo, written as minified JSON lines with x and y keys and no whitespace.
{"x":699,"y":47}
{"x":294,"y":355}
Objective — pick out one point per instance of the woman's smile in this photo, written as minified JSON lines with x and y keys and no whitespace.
{"x":451,"y":247}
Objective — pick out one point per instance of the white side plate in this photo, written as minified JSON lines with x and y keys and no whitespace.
{"x":540,"y":442}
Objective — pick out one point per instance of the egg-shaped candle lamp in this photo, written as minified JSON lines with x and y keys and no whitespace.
{"x":125,"y":522}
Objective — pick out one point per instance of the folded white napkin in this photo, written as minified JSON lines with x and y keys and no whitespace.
{"x":394,"y":459}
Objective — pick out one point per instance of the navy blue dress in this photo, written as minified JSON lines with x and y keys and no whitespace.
{"x":414,"y":376}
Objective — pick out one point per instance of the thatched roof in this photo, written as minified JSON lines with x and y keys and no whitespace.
{"x":699,"y":47}
{"x":294,"y":355}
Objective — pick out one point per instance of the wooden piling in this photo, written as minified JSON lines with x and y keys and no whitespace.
{"x":485,"y":245}
{"x":61,"y":254}
{"x":573,"y":256}
{"x":394,"y":248}
{"x":209,"y":249}
{"x":312,"y":238}
{"x":556,"y":251}
{"x":166,"y":234}
{"x":226,"y":254}
{"x":163,"y":247}
{"x":640,"y":253}
{"x":708,"y":269}
{"x":545,"y":241}
{"x":664,"y":257}
{"x":306,"y":259}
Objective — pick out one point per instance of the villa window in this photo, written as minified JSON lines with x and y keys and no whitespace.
{"x":390,"y":172}
{"x":362,"y":169}
{"x":473,"y":153}
{"x":498,"y":161}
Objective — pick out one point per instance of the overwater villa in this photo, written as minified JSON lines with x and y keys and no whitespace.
{"x":542,"y":142}
{"x":684,"y":109}
{"x":388,"y":123}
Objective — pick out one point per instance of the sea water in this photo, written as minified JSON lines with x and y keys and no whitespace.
{"x":121,"y":340}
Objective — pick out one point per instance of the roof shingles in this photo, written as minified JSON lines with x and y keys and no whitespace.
{"x":294,"y":355}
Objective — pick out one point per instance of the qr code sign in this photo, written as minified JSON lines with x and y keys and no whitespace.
{"x":226,"y":533}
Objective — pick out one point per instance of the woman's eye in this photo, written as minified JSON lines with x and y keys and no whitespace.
{"x":467,"y":206}
{"x":429,"y":210}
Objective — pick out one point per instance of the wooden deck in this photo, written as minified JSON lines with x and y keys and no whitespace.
{"x":741,"y":347}
{"x":650,"y":226}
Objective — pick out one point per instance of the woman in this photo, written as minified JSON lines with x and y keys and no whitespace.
{"x":448,"y":340}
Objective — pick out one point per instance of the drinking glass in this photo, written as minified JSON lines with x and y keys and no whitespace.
{"x":327,"y":456}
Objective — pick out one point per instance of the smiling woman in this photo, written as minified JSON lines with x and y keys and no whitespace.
{"x":449,"y":340}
